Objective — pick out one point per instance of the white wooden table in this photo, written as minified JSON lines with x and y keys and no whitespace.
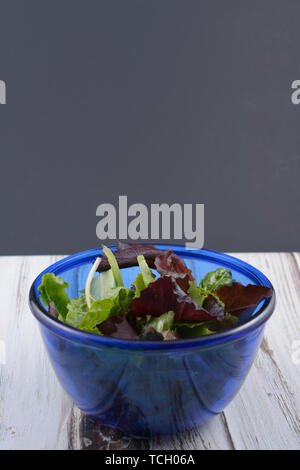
{"x":35,"y":413}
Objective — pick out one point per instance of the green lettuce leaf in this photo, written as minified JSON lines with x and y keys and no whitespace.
{"x":198,"y":294}
{"x":53,"y":288}
{"x":139,"y":284}
{"x":209,"y":284}
{"x":147,"y":274}
{"x":100,"y":310}
{"x":193,"y":330}
{"x":101,"y":286}
{"x":216,"y":279}
{"x":114,"y":266}
{"x":77,"y":309}
{"x":122,"y":297}
{"x":144,"y":278}
{"x":163,"y":323}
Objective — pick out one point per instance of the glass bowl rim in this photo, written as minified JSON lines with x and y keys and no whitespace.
{"x":233,"y":334}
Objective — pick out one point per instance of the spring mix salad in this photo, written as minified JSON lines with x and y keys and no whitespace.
{"x":168,"y":307}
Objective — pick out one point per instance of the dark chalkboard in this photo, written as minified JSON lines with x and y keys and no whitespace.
{"x":160,"y":100}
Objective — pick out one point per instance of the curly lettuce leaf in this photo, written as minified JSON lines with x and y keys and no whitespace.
{"x":77,"y":309}
{"x":101,"y":310}
{"x":53,"y":288}
{"x":169,"y":264}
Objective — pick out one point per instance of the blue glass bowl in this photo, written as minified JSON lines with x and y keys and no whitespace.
{"x":152,"y":388}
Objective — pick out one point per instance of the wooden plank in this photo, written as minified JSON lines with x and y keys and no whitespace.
{"x":214,"y":435}
{"x":36,"y":413}
{"x":86,"y":433}
{"x":34,"y":410}
{"x":266,"y":413}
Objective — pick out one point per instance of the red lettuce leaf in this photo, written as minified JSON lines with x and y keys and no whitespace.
{"x":238,"y":298}
{"x":168,"y":263}
{"x":151,"y":335}
{"x":52,"y":310}
{"x":121,"y":326}
{"x":126,"y":255}
{"x":164,"y":295}
{"x":213,"y":307}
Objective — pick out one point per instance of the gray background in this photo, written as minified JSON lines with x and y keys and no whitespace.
{"x":162,"y":100}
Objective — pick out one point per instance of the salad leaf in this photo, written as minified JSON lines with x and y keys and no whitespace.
{"x":168,"y":263}
{"x":114,"y":266}
{"x":170,"y":335}
{"x":238,"y":298}
{"x":139,"y":284}
{"x":164,"y":295}
{"x":193,"y":330}
{"x":126,"y":255}
{"x":162,"y":323}
{"x":77,"y":309}
{"x":208,"y":327}
{"x":122,"y":297}
{"x":147,"y":274}
{"x":229,"y":321}
{"x":151,"y":335}
{"x":214,"y":306}
{"x":216,"y":279}
{"x":99,"y":311}
{"x":120,"y":326}
{"x":102,"y":309}
{"x":198,"y":294}
{"x":53,"y":288}
{"x":87,"y":290}
{"x":102,"y":285}
{"x":167,"y":308}
{"x":144,"y":278}
{"x":52,"y":310}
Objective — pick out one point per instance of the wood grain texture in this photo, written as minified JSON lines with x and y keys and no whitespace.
{"x":35,"y":413}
